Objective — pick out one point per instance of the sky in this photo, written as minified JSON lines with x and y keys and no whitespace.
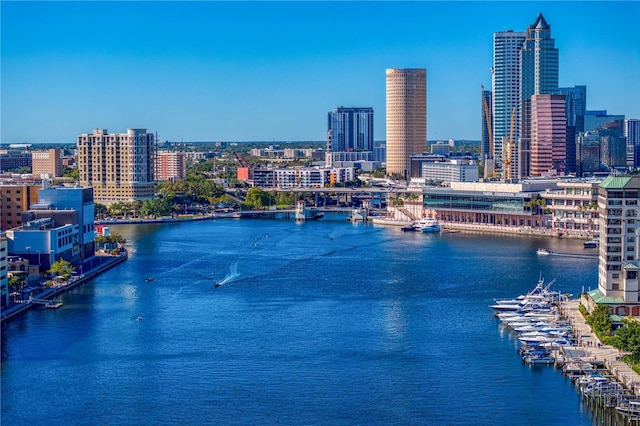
{"x":271,"y":71}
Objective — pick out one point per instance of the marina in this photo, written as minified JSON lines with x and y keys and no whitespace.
{"x":553,"y":332}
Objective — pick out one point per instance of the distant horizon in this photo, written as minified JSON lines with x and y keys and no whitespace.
{"x":210,"y":70}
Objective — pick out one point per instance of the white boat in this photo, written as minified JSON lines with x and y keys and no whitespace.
{"x":543,"y":251}
{"x":593,"y":243}
{"x":427,"y":225}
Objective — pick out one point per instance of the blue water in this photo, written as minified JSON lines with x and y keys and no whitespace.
{"x":324,"y":322}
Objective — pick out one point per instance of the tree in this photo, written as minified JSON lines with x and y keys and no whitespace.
{"x":628,"y":337}
{"x":100,"y":210}
{"x":71,"y":172}
{"x":17,"y":282}
{"x":600,"y":321}
{"x":61,"y":268}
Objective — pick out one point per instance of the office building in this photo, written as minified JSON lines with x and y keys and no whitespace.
{"x":505,"y":89}
{"x":46,"y":162}
{"x":119,"y":166}
{"x":548,"y":135}
{"x":450,"y":171}
{"x":632,"y":133}
{"x":596,"y":118}
{"x":170,"y":165}
{"x":351,"y":129}
{"x":4,"y":270}
{"x":587,"y":153}
{"x":406,"y":101}
{"x":618,"y":199}
{"x":576,"y":106}
{"x":486,"y":126}
{"x":613,"y":144}
{"x":538,"y":76}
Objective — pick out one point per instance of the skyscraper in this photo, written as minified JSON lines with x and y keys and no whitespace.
{"x":548,"y":135}
{"x":406,"y":118}
{"x":119,"y":166}
{"x":576,"y":106}
{"x":351,"y":129}
{"x":505,"y":88}
{"x":538,"y":76}
{"x":486,"y":142}
{"x":632,"y":133}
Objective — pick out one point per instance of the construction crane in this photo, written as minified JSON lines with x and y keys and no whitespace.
{"x":507,"y":158}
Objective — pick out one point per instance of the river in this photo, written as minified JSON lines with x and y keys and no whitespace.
{"x":322,"y":322}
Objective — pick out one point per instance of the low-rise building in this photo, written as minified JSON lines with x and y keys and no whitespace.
{"x":574,"y":207}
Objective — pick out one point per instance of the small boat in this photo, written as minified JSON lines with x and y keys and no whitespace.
{"x":148,"y":279}
{"x":543,"y":251}
{"x":593,"y":243}
{"x":53,"y":304}
{"x":139,"y":318}
{"x":217,"y":284}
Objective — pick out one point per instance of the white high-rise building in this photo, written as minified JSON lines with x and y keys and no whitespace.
{"x":406,"y":118}
{"x":505,"y":88}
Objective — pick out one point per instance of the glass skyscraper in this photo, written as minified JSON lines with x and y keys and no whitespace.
{"x":351,"y":129}
{"x":505,"y":85}
{"x":538,"y":76}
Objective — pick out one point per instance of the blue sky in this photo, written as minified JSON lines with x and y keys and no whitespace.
{"x":246,"y":71}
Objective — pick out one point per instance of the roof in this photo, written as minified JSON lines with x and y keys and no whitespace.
{"x":630,"y":267}
{"x":541,"y":23}
{"x":601,"y":299}
{"x":615,"y":318}
{"x":615,"y":182}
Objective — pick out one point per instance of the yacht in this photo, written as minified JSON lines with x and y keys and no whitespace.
{"x":427,"y":225}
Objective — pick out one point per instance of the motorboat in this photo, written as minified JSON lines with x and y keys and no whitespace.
{"x":543,"y":251}
{"x":427,"y":225}
{"x":593,"y":243}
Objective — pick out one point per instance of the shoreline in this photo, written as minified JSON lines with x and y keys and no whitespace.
{"x":14,"y":311}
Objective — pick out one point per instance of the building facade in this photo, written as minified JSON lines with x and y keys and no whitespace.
{"x":47,"y":162}
{"x":618,"y":201}
{"x":14,"y":199}
{"x":632,"y":133}
{"x":450,"y":171}
{"x":406,"y":102}
{"x":170,"y":165}
{"x":4,"y":270}
{"x":575,"y":106}
{"x":574,"y":207}
{"x":548,"y":136}
{"x":505,"y":88}
{"x":486,"y":125}
{"x":351,"y":129}
{"x":538,"y":76}
{"x":119,"y":166}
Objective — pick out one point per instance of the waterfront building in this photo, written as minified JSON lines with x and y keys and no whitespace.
{"x":119,"y":166}
{"x":406,"y":103}
{"x":4,"y":270}
{"x":538,"y":76}
{"x":574,"y":207}
{"x":450,"y":171}
{"x":170,"y":165}
{"x":486,"y":125}
{"x":351,"y":129}
{"x":14,"y":199}
{"x":632,"y":133}
{"x":618,"y":204}
{"x":492,"y":206}
{"x":46,"y":162}
{"x":505,"y":89}
{"x":576,"y":106}
{"x":65,"y":198}
{"x":548,"y":135}
{"x":296,"y":177}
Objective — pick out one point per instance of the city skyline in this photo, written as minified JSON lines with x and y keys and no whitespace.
{"x":205,"y":71}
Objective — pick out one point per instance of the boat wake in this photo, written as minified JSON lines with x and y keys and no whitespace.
{"x":232,"y":275}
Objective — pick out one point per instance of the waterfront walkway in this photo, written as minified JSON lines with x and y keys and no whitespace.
{"x":91,"y":268}
{"x":596,"y":351}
